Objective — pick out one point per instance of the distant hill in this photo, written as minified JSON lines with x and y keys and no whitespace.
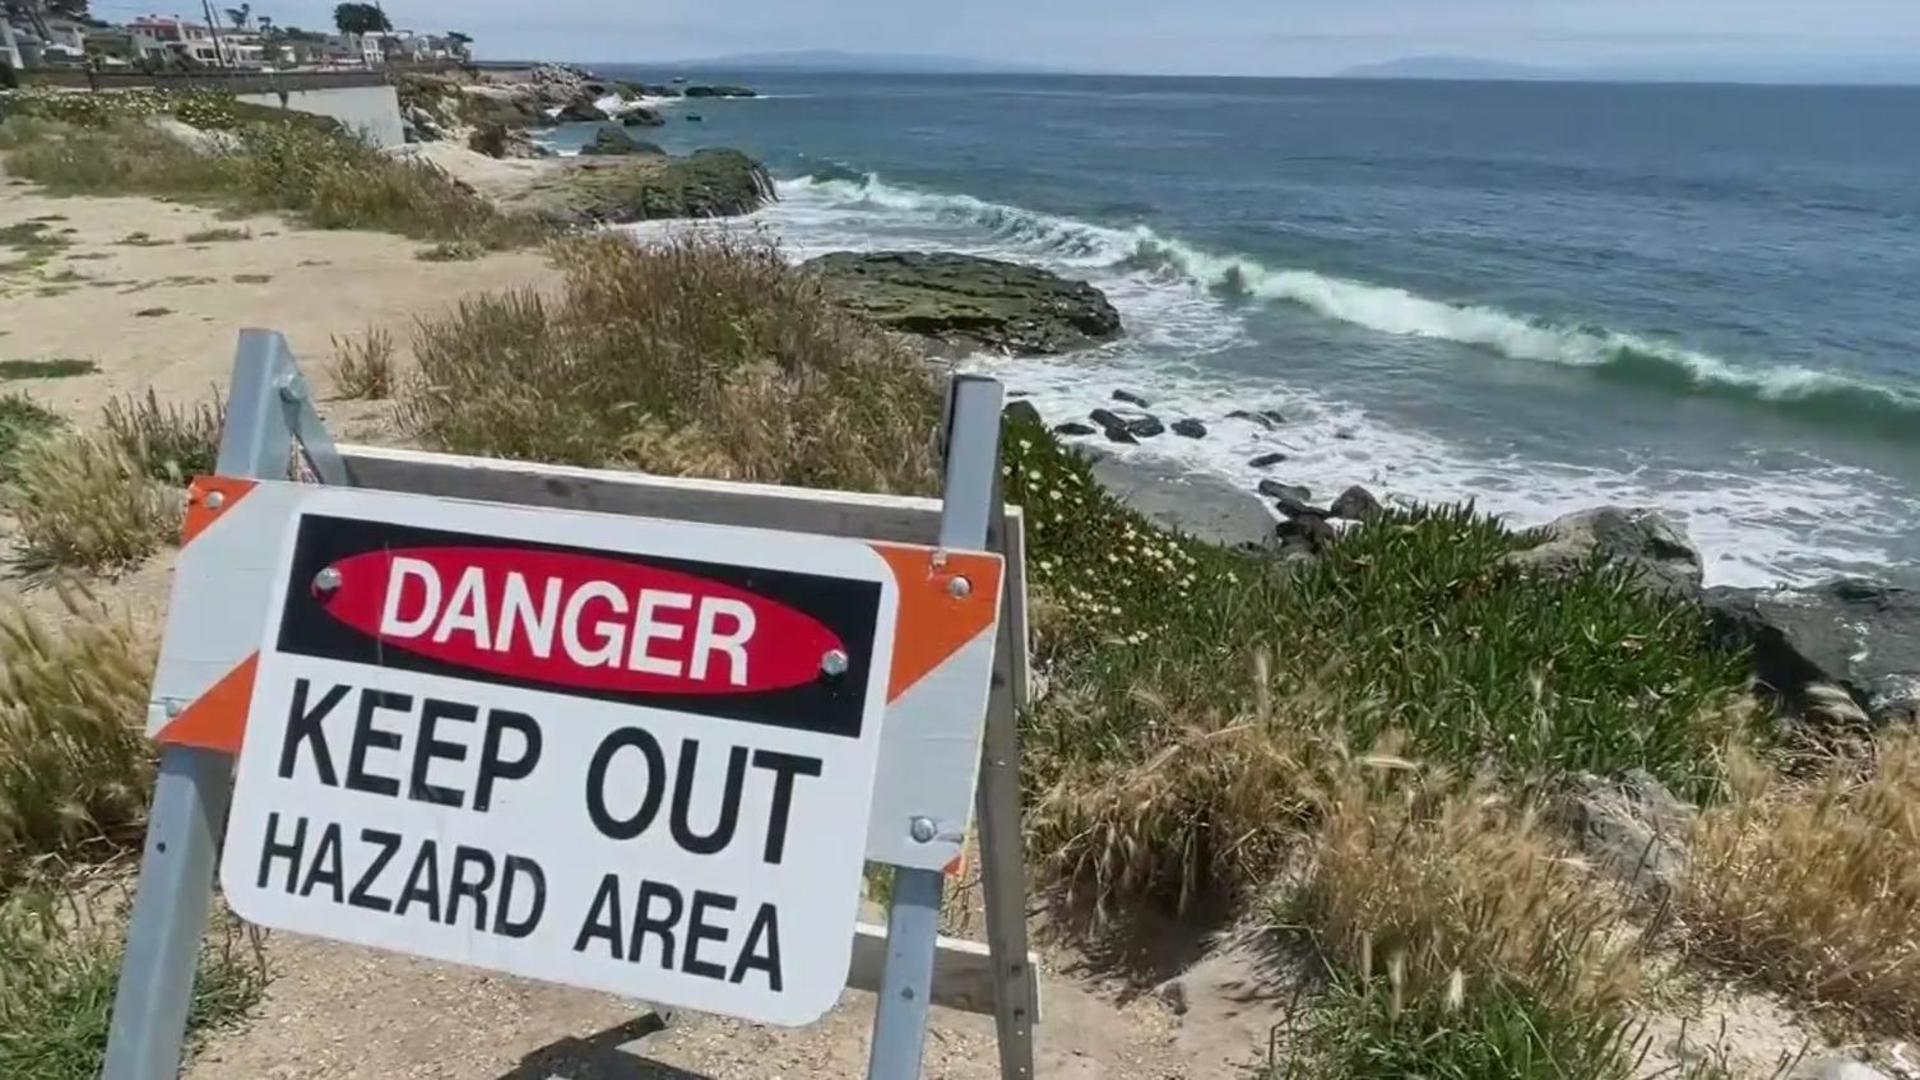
{"x":1450,"y":67}
{"x":864,"y":63}
{"x":1890,"y":71}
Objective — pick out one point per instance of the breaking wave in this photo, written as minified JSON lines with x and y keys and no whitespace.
{"x":1627,"y":358}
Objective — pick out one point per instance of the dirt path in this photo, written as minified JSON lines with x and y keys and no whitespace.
{"x":163,"y":312}
{"x":337,"y":1011}
{"x":124,"y":289}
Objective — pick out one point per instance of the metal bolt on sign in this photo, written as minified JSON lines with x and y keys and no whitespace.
{"x":215,"y":500}
{"x":834,"y":662}
{"x":959,"y":588}
{"x":922,"y":829}
{"x":326,"y":581}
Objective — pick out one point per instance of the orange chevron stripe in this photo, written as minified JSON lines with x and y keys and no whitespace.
{"x":934,"y":623}
{"x":217,"y":719}
{"x":200,"y":516}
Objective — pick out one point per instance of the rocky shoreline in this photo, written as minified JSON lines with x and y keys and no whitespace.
{"x":1846,"y":650}
{"x":481,"y":130}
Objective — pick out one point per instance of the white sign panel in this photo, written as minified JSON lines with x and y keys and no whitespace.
{"x":616,"y":753}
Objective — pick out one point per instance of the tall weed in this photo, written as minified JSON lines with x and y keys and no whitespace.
{"x":1462,"y":938}
{"x":171,"y":443}
{"x":705,"y":356}
{"x":82,"y":502}
{"x":1814,"y":887}
{"x":75,"y":766}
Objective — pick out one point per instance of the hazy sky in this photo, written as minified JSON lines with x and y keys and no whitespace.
{"x":1190,"y":36}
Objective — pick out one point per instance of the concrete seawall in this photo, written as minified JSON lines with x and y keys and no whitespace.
{"x":372,"y":112}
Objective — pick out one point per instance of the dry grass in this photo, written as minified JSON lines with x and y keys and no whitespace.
{"x":171,"y":443}
{"x":703,"y":356}
{"x":75,"y":767}
{"x":84,"y":502}
{"x":1461,"y":937}
{"x":1212,"y":811}
{"x":331,"y":181}
{"x":1445,"y":886}
{"x":1815,"y":887}
{"x":363,"y":366}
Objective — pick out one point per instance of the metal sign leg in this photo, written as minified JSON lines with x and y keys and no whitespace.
{"x":169,"y":914}
{"x":1002,"y":867}
{"x":190,"y":794}
{"x":913,"y":922}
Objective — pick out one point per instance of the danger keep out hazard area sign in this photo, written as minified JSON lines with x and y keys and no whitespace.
{"x":617,"y":753}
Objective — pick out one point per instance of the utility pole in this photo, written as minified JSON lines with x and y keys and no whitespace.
{"x":12,"y":49}
{"x":219,"y":50}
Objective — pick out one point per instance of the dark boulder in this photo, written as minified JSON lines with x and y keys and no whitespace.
{"x":1305,"y":535}
{"x":720,"y":92}
{"x":1073,"y":427}
{"x":1266,"y":418}
{"x":1023,"y":412}
{"x":640,"y":116}
{"x":1131,"y":398}
{"x":1191,"y":428}
{"x":1266,"y":460}
{"x":1631,"y":828}
{"x":1107,"y":418}
{"x":1145,"y":427}
{"x":969,"y":302}
{"x":612,"y":141}
{"x":1274,"y":489}
{"x":500,"y":141}
{"x":1356,"y":504}
{"x":1658,"y":552}
{"x":1299,"y":508}
{"x":581,"y":110}
{"x":1857,"y":635}
{"x":1120,"y":435}
{"x":695,"y":118}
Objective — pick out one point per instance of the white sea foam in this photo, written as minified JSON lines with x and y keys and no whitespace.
{"x":1755,"y":525}
{"x":1382,"y":308}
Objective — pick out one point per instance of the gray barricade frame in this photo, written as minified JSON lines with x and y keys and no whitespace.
{"x":270,"y":418}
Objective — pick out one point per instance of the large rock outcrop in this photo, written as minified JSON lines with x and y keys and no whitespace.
{"x":614,"y":142}
{"x":597,"y":190}
{"x":1645,"y":541}
{"x":1857,"y":635}
{"x":970,"y":302}
{"x":644,"y":187}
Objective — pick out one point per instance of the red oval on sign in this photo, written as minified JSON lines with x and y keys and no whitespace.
{"x":576,"y":620}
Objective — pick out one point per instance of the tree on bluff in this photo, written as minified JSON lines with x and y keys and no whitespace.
{"x":353,"y":18}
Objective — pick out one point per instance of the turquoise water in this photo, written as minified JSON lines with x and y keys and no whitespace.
{"x":1538,"y":296}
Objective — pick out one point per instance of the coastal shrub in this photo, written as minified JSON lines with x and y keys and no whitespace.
{"x":363,"y":366}
{"x":21,"y":420}
{"x":172,"y":443}
{"x":1178,"y":670}
{"x":1460,"y":937}
{"x":59,"y":368}
{"x":330,"y":180}
{"x":75,"y":766}
{"x":1814,"y":886}
{"x":82,"y":502}
{"x":60,"y":964}
{"x":699,"y":355}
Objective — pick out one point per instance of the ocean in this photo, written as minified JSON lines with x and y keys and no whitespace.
{"x":1537,"y":296}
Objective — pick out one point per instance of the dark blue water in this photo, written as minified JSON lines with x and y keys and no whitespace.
{"x":1540,"y":296}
